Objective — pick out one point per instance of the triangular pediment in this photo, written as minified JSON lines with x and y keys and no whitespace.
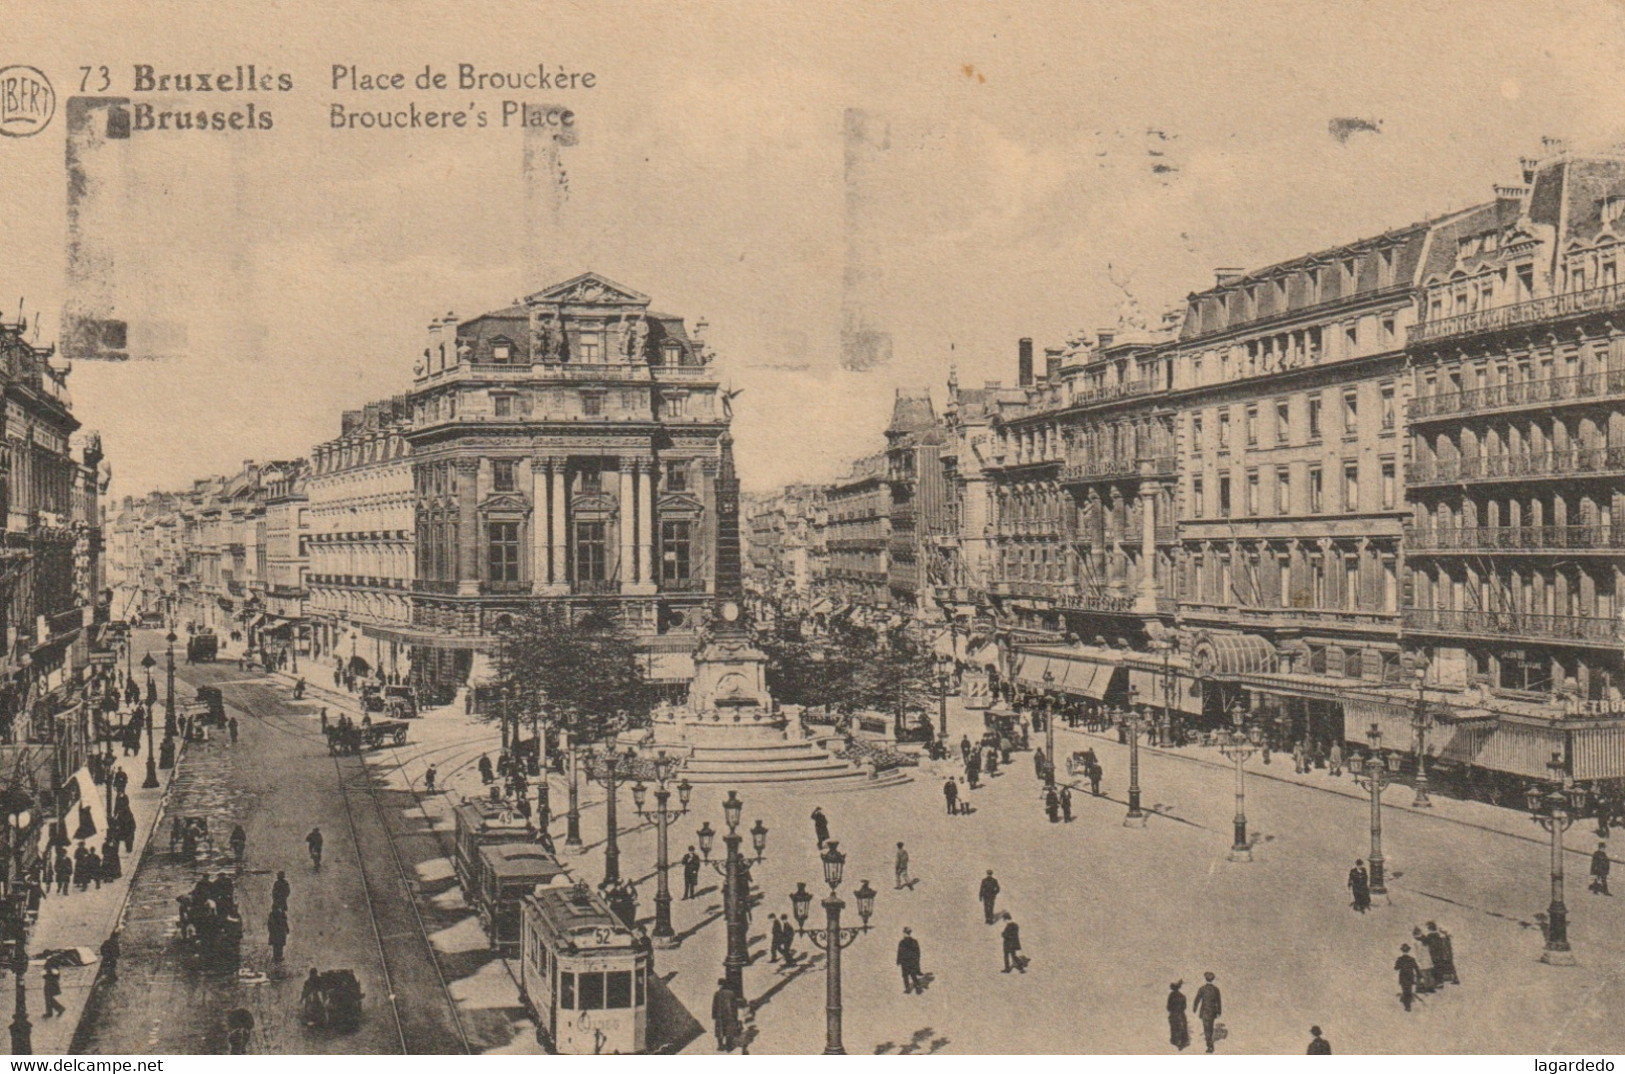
{"x":679,"y":501}
{"x":504,"y":501}
{"x":588,"y":289}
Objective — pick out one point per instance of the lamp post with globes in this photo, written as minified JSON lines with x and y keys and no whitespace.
{"x":945,"y":666}
{"x":152,"y":757}
{"x":1238,"y":744}
{"x":22,"y":1030}
{"x":166,"y":758}
{"x":832,"y":938}
{"x":665,"y":767}
{"x":1133,"y":721}
{"x":1422,"y":723}
{"x":1374,"y":774}
{"x":1555,"y":808}
{"x":733,"y":895}
{"x":604,"y":769}
{"x":1049,"y":728}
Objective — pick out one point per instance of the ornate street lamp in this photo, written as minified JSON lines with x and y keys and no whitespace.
{"x":572,"y":815}
{"x":166,"y":758}
{"x":1049,"y":728}
{"x":605,"y":770}
{"x":832,"y":938}
{"x":1555,"y":808}
{"x":1422,"y":724}
{"x":733,"y":895}
{"x":665,"y":767}
{"x":22,"y":1030}
{"x":1238,"y":744}
{"x":152,"y":757}
{"x":1374,"y":775}
{"x":945,"y":667}
{"x":1133,"y":721}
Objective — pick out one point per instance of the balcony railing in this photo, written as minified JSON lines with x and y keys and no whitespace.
{"x":1583,"y":387}
{"x":600,"y":587}
{"x":683,"y":585}
{"x":1086,"y":396}
{"x":425,"y":585}
{"x":1097,"y":468}
{"x":1517,"y":539}
{"x":1097,"y":602}
{"x":1552,"y":307}
{"x":1509,"y":467}
{"x":1574,"y":628}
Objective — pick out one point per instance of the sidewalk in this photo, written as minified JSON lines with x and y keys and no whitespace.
{"x":1498,"y":820}
{"x":85,"y":919}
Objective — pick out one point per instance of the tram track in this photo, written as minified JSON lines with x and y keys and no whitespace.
{"x":421,"y":1032}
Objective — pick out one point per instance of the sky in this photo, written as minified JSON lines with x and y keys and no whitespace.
{"x":1029,"y":169}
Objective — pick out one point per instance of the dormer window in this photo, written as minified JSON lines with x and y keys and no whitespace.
{"x":671,"y":353}
{"x":1351,"y":270}
{"x":501,"y":351}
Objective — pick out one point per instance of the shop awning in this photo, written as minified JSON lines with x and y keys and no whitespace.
{"x":1597,"y":750}
{"x":1030,"y":669}
{"x":1395,"y":723}
{"x":1081,"y":674}
{"x":1521,"y":748}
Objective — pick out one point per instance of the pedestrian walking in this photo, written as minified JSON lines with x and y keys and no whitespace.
{"x":1318,"y":1045}
{"x":725,"y":1016}
{"x":486,"y":773}
{"x":313,"y":842}
{"x":324,"y":719}
{"x":1334,"y":759}
{"x":64,"y":871}
{"x":1299,"y":758}
{"x":110,"y":954}
{"x":1599,"y":870}
{"x":92,"y":871}
{"x":231,"y":725}
{"x":1095,"y":772}
{"x":786,"y":940}
{"x":428,"y":779}
{"x":820,"y":825}
{"x":900,"y":867}
{"x":1038,"y":764}
{"x":1066,"y":803}
{"x":1360,"y":886}
{"x":988,"y":893}
{"x":950,"y":794}
{"x":1052,"y":805}
{"x":964,"y":749}
{"x":276,"y":928}
{"x":691,"y":873}
{"x":53,"y":990}
{"x":1443,"y":950}
{"x":280,"y":891}
{"x":1428,"y":980}
{"x":908,"y":961}
{"x":1408,"y":971}
{"x":1179,"y":1027}
{"x":775,"y":939}
{"x":1011,"y":941}
{"x":1208,"y":1006}
{"x":973,"y":769}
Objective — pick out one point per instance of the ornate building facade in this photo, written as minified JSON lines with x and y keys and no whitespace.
{"x":564,"y":450}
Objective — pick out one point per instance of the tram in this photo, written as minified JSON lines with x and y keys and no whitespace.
{"x":480,"y":822}
{"x":583,"y":975}
{"x":507,"y":873}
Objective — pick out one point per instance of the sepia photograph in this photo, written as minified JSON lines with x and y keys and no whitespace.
{"x":548,"y":528}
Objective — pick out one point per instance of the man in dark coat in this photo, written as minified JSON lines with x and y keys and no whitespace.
{"x":1443,"y":950}
{"x":1408,"y":971}
{"x":988,"y":892}
{"x":1179,"y":1027}
{"x":973,"y":769}
{"x":1318,"y":1045}
{"x":1012,"y":948}
{"x":1360,"y":885}
{"x":110,"y":953}
{"x":964,"y":749}
{"x":280,"y":891}
{"x":1599,"y":870}
{"x":908,"y":960}
{"x":276,"y":928}
{"x":1094,"y":772}
{"x":820,"y":825}
{"x":1066,"y":803}
{"x":486,"y":774}
{"x":1208,"y":1007}
{"x":950,"y":794}
{"x":1052,"y":805}
{"x":725,"y":1016}
{"x":53,"y":990}
{"x":691,"y":873}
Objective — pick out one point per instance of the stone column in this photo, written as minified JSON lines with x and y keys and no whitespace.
{"x":468,"y":526}
{"x":558,"y":483}
{"x":651,"y":528}
{"x":1146,"y":598}
{"x":626,"y":527}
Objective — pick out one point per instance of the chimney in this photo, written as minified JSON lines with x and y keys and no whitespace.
{"x":1052,"y":364}
{"x":1224,"y":277}
{"x":1104,"y":337}
{"x":1024,"y":363}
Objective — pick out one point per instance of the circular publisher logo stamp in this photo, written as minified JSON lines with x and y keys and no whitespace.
{"x":27,"y":101}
